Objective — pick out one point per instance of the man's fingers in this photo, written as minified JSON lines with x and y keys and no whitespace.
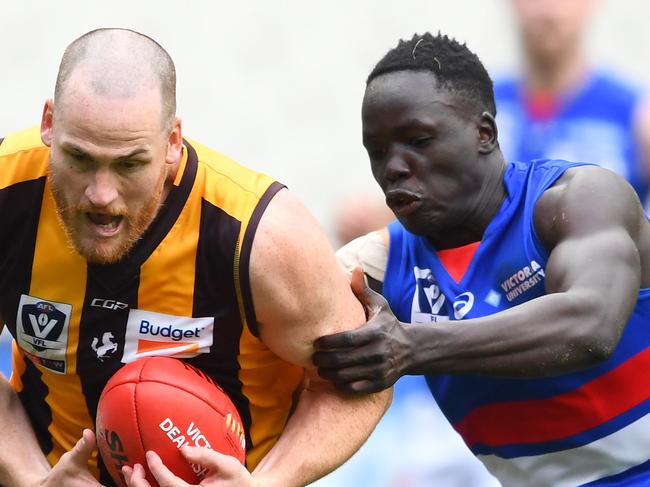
{"x":161,"y":473}
{"x":329,"y":355}
{"x":211,"y":459}
{"x":345,"y":340}
{"x":369,"y":298}
{"x":348,"y":375}
{"x":136,"y":476}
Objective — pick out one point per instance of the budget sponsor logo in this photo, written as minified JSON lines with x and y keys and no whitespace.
{"x":149,"y":333}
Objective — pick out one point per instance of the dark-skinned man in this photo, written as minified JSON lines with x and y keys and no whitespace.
{"x":520,"y":290}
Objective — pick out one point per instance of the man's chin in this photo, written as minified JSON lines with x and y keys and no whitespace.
{"x":102,"y":252}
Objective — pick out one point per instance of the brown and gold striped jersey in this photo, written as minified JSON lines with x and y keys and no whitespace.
{"x":183,"y":290}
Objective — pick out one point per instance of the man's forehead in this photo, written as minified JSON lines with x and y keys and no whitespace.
{"x":408,"y":88}
{"x":110,"y":81}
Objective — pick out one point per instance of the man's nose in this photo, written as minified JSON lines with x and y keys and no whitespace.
{"x":101,"y":190}
{"x":396,"y":167}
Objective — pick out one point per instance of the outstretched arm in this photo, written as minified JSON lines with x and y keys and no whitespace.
{"x":595,"y":250}
{"x":18,"y":466}
{"x":22,"y":463}
{"x":300,"y":293}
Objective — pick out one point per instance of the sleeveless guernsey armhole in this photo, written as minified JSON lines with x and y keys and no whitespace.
{"x":245,"y":254}
{"x":457,"y":260}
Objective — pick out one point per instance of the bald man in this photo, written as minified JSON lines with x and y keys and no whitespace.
{"x":119,"y":226}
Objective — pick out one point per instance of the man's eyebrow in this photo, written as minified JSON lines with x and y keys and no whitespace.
{"x":134,"y":153}
{"x":72,"y":147}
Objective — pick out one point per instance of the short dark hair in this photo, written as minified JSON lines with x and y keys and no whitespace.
{"x":456,"y":68}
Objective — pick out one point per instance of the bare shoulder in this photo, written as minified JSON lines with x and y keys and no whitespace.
{"x":587,"y":199}
{"x":299,"y":291}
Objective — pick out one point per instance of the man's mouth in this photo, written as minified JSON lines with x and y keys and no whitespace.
{"x":104,"y":224}
{"x":402,"y":202}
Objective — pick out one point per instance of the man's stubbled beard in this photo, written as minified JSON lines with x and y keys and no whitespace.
{"x":112,"y":250}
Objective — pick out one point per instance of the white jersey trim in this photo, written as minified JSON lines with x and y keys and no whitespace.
{"x":613,"y":454}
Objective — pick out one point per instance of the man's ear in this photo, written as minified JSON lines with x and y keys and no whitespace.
{"x":47,"y":120}
{"x":175,"y":143}
{"x":487,"y":133}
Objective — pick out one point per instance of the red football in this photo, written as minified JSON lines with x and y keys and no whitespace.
{"x":161,"y":404}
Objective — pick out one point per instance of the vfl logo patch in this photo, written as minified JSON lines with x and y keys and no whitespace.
{"x":42,"y":331}
{"x":428,"y":301}
{"x":428,"y":304}
{"x":149,"y":333}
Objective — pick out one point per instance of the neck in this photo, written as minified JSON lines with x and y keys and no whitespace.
{"x":556,"y":74}
{"x":485,"y":206}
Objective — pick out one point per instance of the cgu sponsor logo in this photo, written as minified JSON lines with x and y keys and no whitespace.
{"x":108,"y":304}
{"x":149,"y":333}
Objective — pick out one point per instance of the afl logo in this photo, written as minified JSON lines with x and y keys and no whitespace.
{"x":463,"y":304}
{"x":43,"y":323}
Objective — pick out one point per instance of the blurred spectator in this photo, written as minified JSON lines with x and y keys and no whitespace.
{"x":561,"y":107}
{"x":358,"y":214}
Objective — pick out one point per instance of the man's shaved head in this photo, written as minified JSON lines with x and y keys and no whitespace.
{"x":120,"y":63}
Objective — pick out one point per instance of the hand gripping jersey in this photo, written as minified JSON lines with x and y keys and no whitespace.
{"x":595,"y":123}
{"x":585,"y":428}
{"x":182,"y":291}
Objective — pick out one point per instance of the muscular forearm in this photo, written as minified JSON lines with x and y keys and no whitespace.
{"x":324,"y":431}
{"x":22,"y":463}
{"x":551,"y":335}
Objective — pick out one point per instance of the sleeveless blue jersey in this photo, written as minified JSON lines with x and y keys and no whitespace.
{"x":585,"y":428}
{"x":594,"y":123}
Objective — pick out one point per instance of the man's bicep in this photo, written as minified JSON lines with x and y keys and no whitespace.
{"x":299,"y":291}
{"x":593,"y":238}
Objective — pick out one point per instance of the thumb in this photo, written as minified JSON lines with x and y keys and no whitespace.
{"x":83,"y":449}
{"x":370,"y":299}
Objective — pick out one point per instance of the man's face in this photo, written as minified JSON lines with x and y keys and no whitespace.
{"x":109,"y":161}
{"x":549,"y":27}
{"x":423,"y":150}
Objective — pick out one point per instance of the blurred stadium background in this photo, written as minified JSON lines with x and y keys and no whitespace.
{"x":277,"y":86}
